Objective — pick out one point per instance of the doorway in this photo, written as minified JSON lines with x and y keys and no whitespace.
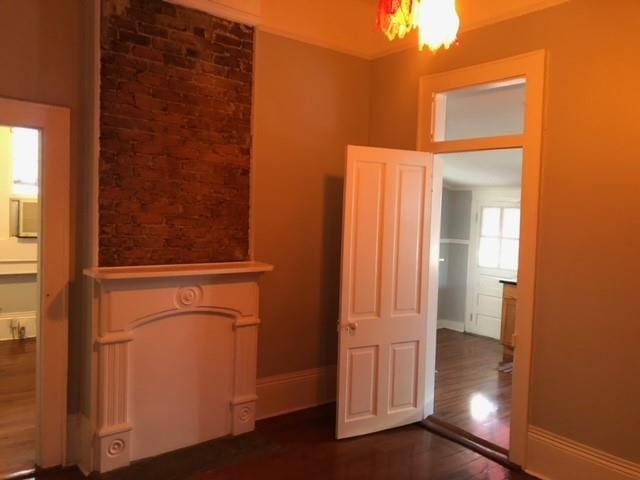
{"x":453,"y":120}
{"x":478,"y":266}
{"x":19,"y":231}
{"x":391,"y":250}
{"x":34,"y":278}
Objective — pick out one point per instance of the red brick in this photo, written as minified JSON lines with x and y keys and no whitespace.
{"x":175,"y":135}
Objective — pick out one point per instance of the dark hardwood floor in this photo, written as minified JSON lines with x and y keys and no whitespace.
{"x":470,"y":392}
{"x":17,"y":405}
{"x":302,"y":446}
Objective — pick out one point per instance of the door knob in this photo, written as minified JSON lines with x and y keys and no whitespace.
{"x":348,"y":326}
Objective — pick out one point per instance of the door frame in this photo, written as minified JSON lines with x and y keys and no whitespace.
{"x":530,"y":66}
{"x":54,"y":272}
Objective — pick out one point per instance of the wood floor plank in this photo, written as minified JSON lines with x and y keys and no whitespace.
{"x":470,"y":391}
{"x":302,"y":445}
{"x":17,"y":405}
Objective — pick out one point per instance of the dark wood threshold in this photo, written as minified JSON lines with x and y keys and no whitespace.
{"x":479,"y":445}
{"x":52,"y":473}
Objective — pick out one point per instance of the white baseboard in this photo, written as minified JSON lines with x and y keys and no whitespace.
{"x":451,"y":325}
{"x":26,"y":319}
{"x":289,"y":392}
{"x":73,"y":439}
{"x":79,"y":442}
{"x":552,"y":457}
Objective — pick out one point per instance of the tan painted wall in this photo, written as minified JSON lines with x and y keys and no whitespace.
{"x":586,"y":366}
{"x":40,"y":61}
{"x":309,"y":104}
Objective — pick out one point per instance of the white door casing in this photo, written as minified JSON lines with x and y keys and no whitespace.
{"x":484,"y":290}
{"x":53,"y":271}
{"x":530,"y":66}
{"x":385,"y":254}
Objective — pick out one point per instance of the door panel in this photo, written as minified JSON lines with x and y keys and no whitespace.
{"x":382,"y":327}
{"x":363,"y":382}
{"x":408,"y":236}
{"x":404,"y":369}
{"x":367,"y":222}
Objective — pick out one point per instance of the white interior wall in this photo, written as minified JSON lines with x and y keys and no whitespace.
{"x":454,"y":249}
{"x":18,"y":256}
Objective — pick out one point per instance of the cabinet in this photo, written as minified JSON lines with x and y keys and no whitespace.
{"x":508,"y":324}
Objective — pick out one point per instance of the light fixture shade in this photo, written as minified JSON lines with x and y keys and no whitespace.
{"x":396,"y":18}
{"x":438,"y":23}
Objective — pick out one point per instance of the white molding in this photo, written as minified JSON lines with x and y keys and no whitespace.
{"x":74,"y":440}
{"x":315,"y":41}
{"x":131,"y":297}
{"x":146,"y":272}
{"x":451,"y":325}
{"x":454,"y":241}
{"x":18,"y":267}
{"x":289,"y":392}
{"x":27,"y":319}
{"x":247,"y":11}
{"x":553,"y":457}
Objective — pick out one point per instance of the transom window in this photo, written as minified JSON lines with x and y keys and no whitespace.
{"x":499,"y":238}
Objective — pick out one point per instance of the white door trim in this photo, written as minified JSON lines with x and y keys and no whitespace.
{"x":532,"y":67}
{"x":53,"y":271}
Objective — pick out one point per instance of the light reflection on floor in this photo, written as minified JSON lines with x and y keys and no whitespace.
{"x":481,"y":408}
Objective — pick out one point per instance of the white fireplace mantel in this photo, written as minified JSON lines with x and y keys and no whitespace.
{"x":176,"y":354}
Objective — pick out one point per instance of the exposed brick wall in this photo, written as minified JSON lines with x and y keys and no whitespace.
{"x":175,"y":135}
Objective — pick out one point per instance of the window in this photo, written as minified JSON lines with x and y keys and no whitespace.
{"x":25,"y":154}
{"x":499,"y":238}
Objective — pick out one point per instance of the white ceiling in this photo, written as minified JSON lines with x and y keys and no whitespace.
{"x":492,"y":168}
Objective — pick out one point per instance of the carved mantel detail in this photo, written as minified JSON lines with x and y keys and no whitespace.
{"x":128,"y":298}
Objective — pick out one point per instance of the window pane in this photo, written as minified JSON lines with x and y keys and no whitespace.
{"x":490,"y":222}
{"x":483,"y":111}
{"x":489,"y":252}
{"x":511,"y":223}
{"x":25,"y":144}
{"x":509,"y":254}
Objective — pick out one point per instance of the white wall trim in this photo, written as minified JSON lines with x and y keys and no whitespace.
{"x":454,"y":241}
{"x":289,"y":392}
{"x":315,"y":41}
{"x":552,"y":457}
{"x":451,"y":325}
{"x":18,"y":267}
{"x":247,"y":11}
{"x":74,"y":441}
{"x":26,"y":319}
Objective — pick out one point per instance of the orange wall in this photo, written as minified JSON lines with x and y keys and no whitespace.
{"x":309,"y":104}
{"x":586,"y":366}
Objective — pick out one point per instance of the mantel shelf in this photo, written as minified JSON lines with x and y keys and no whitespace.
{"x":173,"y":271}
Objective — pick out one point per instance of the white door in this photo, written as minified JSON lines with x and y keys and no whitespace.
{"x":385,"y":254}
{"x":493,"y":257}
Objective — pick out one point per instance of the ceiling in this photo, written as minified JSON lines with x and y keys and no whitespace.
{"x":349,"y":25}
{"x":492,"y":168}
